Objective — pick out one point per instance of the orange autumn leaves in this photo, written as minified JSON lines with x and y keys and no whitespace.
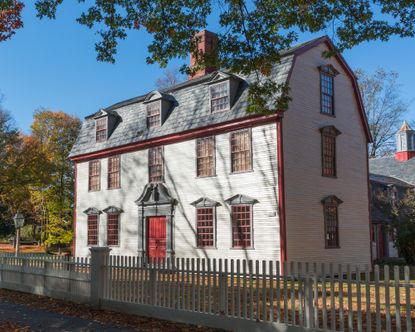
{"x":10,"y":18}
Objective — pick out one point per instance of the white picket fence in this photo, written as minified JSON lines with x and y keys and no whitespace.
{"x":231,"y":294}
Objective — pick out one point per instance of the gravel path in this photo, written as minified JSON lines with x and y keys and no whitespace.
{"x":43,"y":320}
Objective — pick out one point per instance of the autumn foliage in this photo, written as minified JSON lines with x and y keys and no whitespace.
{"x":10,"y":18}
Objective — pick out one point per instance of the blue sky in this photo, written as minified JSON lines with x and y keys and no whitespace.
{"x":52,"y":64}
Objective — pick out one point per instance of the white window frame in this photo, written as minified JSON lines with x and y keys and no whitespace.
{"x":106,"y":130}
{"x":150,"y":103}
{"x":229,"y":96}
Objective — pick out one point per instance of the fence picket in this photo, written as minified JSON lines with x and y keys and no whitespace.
{"x":368,"y":307}
{"x":257,"y":295}
{"x":203,"y":285}
{"x":232,"y":289}
{"x":377,"y":299}
{"x":245,"y":297}
{"x":397,"y":299}
{"x":332,"y":299}
{"x":271,"y":291}
{"x":359,"y":300}
{"x":324,"y":295}
{"x":341,"y":300}
{"x":238,"y":288}
{"x":264,"y":290}
{"x":349,"y":298}
{"x":408,"y":299}
{"x":278,"y":286}
{"x":387,"y":298}
{"x":285,"y":286}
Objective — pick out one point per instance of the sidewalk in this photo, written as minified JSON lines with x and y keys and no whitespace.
{"x":40,"y":313}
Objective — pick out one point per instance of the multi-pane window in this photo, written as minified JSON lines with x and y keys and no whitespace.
{"x":113,"y":227}
{"x":241,"y":226}
{"x":331,"y":221}
{"x":101,"y":129}
{"x":93,"y":230}
{"x":155,"y":164}
{"x":205,"y":227}
{"x":114,"y":172}
{"x":328,"y":146}
{"x":153,"y":114}
{"x":94,"y":183}
{"x":241,"y":152}
{"x":327,"y":93}
{"x":219,"y":96}
{"x":205,"y":156}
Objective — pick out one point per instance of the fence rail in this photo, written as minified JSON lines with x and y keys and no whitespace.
{"x":221,"y":292}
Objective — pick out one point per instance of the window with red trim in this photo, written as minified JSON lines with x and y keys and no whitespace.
{"x":101,"y":129}
{"x":94,"y":183}
{"x":205,"y":219}
{"x":113,"y":226}
{"x":155,"y":164}
{"x":241,"y":151}
{"x":205,"y":150}
{"x":331,"y":225}
{"x":328,"y":150}
{"x":219,"y":97}
{"x":93,"y":230}
{"x":114,"y":172}
{"x":153,"y":114}
{"x":327,"y":93}
{"x":241,"y":226}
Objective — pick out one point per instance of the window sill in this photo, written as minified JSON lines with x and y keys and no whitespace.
{"x":220,"y":111}
{"x":338,"y":247}
{"x":94,"y":191}
{"x":327,"y":114}
{"x":207,"y":248}
{"x":114,"y":188}
{"x":206,"y":176}
{"x":241,"y":172}
{"x":242,"y":248}
{"x":329,"y":176}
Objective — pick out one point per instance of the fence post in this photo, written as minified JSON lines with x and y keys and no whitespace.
{"x":99,"y":259}
{"x":223,"y":280}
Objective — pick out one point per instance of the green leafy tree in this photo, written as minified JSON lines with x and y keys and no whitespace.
{"x":404,"y":227}
{"x":252,"y":34}
{"x":56,"y":133}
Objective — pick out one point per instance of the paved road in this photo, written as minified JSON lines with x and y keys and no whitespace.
{"x":42,"y":320}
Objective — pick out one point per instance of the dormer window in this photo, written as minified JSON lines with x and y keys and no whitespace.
{"x":153,"y":114}
{"x":101,"y":129}
{"x":219,"y":97}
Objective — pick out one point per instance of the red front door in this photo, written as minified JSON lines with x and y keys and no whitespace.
{"x":156,"y":237}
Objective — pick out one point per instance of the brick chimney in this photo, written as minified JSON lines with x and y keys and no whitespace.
{"x":207,"y":42}
{"x":405,"y":143}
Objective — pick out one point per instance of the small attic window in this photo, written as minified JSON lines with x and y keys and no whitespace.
{"x":153,"y":111}
{"x":101,"y":129}
{"x":219,"y":97}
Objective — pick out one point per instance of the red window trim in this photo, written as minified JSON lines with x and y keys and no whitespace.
{"x":213,"y":226}
{"x":332,"y":110}
{"x":251,"y":233}
{"x":110,"y":171}
{"x":250,"y":169}
{"x":111,"y":215}
{"x":213,"y":170}
{"x":90,"y":176}
{"x":89,"y":235}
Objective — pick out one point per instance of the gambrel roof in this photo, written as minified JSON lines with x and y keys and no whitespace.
{"x":191,"y":109}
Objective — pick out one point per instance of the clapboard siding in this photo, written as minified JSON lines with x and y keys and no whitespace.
{"x":180,"y":178}
{"x":305,"y":186}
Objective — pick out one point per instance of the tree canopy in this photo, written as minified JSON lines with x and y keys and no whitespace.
{"x":251,"y":34}
{"x":384,"y":108}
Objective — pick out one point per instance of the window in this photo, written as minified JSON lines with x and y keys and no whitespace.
{"x":114,"y":172}
{"x":113,"y":226}
{"x":94,"y":183}
{"x":155,"y":164}
{"x":331,"y":222}
{"x":328,"y":147}
{"x":241,"y":153}
{"x":219,"y":97}
{"x":205,"y":227}
{"x":327,"y":74}
{"x":153,"y":114}
{"x":241,"y":226}
{"x":205,"y":151}
{"x":101,"y":129}
{"x":93,"y":229}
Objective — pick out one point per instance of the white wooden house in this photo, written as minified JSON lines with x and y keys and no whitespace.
{"x":188,"y":172}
